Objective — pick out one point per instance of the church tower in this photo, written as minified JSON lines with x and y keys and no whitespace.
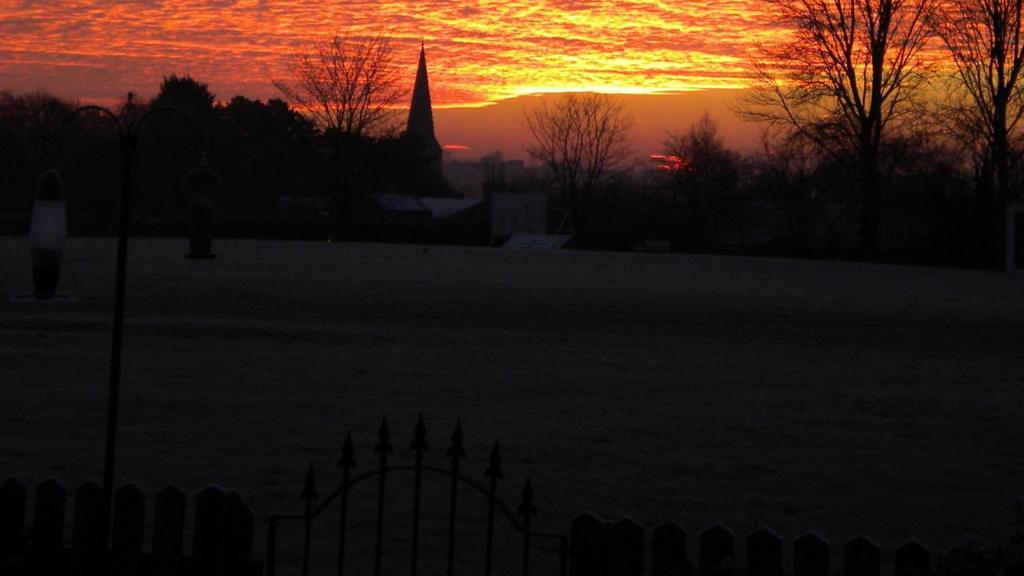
{"x":421,"y":119}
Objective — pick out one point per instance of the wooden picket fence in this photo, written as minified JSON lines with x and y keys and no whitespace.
{"x":601,"y":548}
{"x":222,"y":543}
{"x":223,"y":535}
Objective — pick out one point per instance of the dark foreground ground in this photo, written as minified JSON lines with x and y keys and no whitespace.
{"x":844,"y":398}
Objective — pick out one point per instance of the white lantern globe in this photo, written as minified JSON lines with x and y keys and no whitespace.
{"x":47,"y":234}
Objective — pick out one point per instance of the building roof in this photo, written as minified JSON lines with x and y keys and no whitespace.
{"x":437,"y":207}
{"x":445,"y":207}
{"x":399,"y":203}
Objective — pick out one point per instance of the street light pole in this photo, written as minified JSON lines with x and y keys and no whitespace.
{"x":128,"y":124}
{"x":129,"y":144}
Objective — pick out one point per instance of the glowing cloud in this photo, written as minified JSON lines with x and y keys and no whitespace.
{"x":480,"y":52}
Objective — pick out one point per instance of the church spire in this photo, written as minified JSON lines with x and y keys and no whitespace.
{"x":421,"y":117}
{"x":421,"y":114}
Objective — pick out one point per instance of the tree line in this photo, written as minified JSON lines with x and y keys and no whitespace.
{"x":870,"y":150}
{"x":270,"y":157}
{"x":866,"y":136}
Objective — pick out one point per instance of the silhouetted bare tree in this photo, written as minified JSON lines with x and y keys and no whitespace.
{"x":984,"y":40}
{"x":704,"y":176}
{"x":583,"y":139}
{"x":351,"y":89}
{"x":844,"y":82}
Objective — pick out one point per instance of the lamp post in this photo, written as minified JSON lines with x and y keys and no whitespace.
{"x":128,"y":124}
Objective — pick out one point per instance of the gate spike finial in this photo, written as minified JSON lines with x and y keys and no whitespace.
{"x":455,"y":451}
{"x":347,"y":459}
{"x":309,"y":490}
{"x":494,"y":469}
{"x":419,"y":444}
{"x":383,"y":438}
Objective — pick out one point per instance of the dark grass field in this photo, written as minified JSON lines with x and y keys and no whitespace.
{"x":843,"y":398}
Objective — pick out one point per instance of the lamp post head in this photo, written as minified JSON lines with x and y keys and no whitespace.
{"x":201,"y":181}
{"x":129,"y":114}
{"x":50,"y":186}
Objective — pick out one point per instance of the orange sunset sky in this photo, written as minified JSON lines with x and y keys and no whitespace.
{"x":673,"y":59}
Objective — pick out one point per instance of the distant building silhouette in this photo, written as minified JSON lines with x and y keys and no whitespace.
{"x":421,"y":119}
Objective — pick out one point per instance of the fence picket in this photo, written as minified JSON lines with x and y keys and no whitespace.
{"x":87,"y":554}
{"x":493,"y":475}
{"x":587,"y":546}
{"x":271,"y":551}
{"x":48,"y":516}
{"x":456,"y":453}
{"x":626,"y":548}
{"x":716,"y":551}
{"x":527,"y":510}
{"x":208,"y":545}
{"x":168,"y":533}
{"x":811,"y":556}
{"x":47,"y":556}
{"x":239,"y":528}
{"x":861,"y":557}
{"x":668,"y":551}
{"x":912,"y":559}
{"x":308,"y":496}
{"x":129,"y":531}
{"x":169,"y":522}
{"x":419,"y":445}
{"x":764,"y":553}
{"x":12,"y":518}
{"x":347,"y":462}
{"x":382,"y":449}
